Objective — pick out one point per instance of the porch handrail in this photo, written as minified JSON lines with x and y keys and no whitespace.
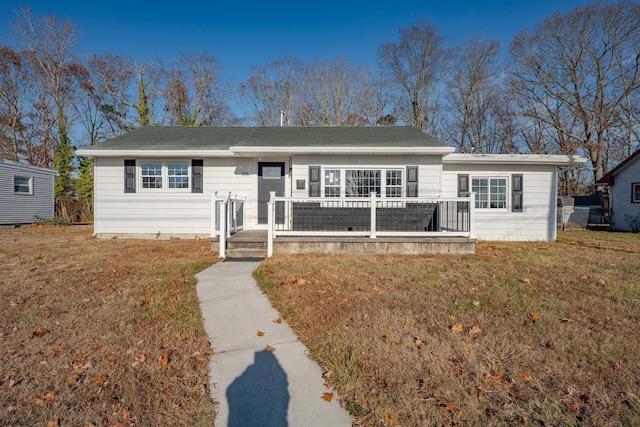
{"x":455,"y":216}
{"x":225,"y":219}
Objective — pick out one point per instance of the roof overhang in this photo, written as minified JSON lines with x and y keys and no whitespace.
{"x":248,"y":151}
{"x":515,"y":159}
{"x":154,"y":153}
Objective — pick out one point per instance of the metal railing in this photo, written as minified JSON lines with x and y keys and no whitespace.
{"x":228,"y":214}
{"x":370,"y":217}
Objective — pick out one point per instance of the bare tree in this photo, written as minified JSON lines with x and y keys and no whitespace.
{"x":274,"y":88}
{"x":12,"y":120}
{"x":416,"y":64}
{"x":575,"y":70}
{"x":332,"y":94}
{"x":193,"y":91}
{"x":473,"y":93}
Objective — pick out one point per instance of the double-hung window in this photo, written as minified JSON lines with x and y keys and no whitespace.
{"x":491,"y":193}
{"x":22,"y":185}
{"x":151,"y":174}
{"x":167,"y":176}
{"x":635,"y":192}
{"x":332,"y":186}
{"x":178,"y":175}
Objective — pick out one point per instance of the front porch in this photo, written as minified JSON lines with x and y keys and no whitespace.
{"x":370,"y":225}
{"x":254,"y":244}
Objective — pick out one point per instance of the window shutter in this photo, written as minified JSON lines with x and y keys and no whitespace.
{"x":516,"y":193}
{"x":129,"y":176}
{"x":196,"y":175}
{"x":463,"y":186}
{"x":412,"y":181}
{"x":314,"y":181}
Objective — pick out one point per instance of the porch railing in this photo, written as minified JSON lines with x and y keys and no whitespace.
{"x":370,"y":217}
{"x":228,"y":214}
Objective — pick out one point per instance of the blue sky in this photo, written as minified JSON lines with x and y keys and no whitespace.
{"x":241,"y":34}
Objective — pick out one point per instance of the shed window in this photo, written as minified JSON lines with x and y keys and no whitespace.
{"x":22,"y":185}
{"x":635,"y":192}
{"x":491,"y":193}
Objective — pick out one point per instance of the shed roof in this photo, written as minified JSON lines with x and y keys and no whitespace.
{"x":608,"y":178}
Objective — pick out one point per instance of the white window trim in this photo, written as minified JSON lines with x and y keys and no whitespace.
{"x":20,"y":193}
{"x":165,"y":176}
{"x":383,"y":179}
{"x":506,"y":192}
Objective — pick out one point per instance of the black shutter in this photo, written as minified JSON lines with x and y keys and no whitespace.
{"x":314,"y":181}
{"x":129,"y":176}
{"x":196,"y":175}
{"x":412,"y":181}
{"x":516,"y":193}
{"x":463,"y":186}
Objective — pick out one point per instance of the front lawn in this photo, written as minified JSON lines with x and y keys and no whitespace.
{"x":517,"y":334}
{"x":101,"y":332}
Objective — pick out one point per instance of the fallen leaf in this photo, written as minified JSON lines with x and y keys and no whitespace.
{"x":385,"y":338}
{"x":475,"y":330}
{"x":392,"y":421}
{"x":45,"y":397}
{"x":53,"y":423}
{"x":126,"y":416}
{"x":163,"y":360}
{"x":418,"y":342}
{"x":525,"y":378}
{"x":527,"y":281}
{"x":269,"y":348}
{"x":260,"y":334}
{"x":446,"y":404}
{"x":101,"y":379}
{"x":278,"y":320}
{"x":457,"y":328}
{"x":476,"y":303}
{"x":534,"y":317}
{"x":39,"y":332}
{"x":327,"y":397}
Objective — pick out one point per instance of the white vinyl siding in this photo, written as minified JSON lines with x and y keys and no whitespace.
{"x":177,"y":212}
{"x":537,"y":222}
{"x":26,"y":193}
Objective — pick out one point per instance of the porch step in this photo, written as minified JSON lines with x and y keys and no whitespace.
{"x":247,"y":253}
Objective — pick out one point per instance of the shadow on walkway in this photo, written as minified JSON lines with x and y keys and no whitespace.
{"x":259,"y":397}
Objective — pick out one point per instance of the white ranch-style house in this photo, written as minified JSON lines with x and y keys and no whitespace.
{"x":393,"y":184}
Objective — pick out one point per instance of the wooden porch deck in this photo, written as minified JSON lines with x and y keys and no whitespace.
{"x":253,"y":244}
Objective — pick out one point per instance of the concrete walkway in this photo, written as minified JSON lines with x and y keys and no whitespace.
{"x":251,"y":385}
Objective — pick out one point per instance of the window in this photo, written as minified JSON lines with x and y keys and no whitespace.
{"x":332,"y":183}
{"x":154,"y":175}
{"x":22,"y":185}
{"x":394,"y":183}
{"x":491,"y":193}
{"x":361,"y":183}
{"x":151,"y":175}
{"x":178,"y":175}
{"x":635,"y":192}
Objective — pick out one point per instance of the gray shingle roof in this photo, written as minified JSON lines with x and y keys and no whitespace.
{"x":222,"y":138}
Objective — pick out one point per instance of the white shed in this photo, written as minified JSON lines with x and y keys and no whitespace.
{"x":26,"y":193}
